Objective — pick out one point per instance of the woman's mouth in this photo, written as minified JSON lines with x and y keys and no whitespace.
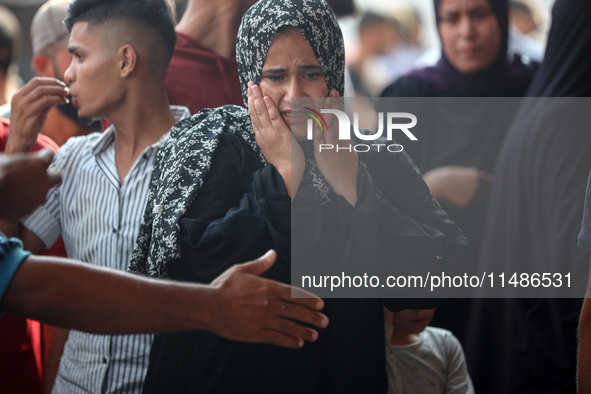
{"x":294,"y":117}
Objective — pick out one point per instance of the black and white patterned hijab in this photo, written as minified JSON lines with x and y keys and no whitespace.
{"x":313,"y":18}
{"x":184,"y":161}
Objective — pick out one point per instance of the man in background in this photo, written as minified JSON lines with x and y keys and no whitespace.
{"x":10,"y":36}
{"x":49,"y":40}
{"x":203,"y":71}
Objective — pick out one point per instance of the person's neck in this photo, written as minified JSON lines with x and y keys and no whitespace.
{"x":399,"y":338}
{"x":3,"y":89}
{"x":139,"y":123}
{"x":214,"y":24}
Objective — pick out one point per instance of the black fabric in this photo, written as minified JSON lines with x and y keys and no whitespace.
{"x":565,"y":70}
{"x":474,"y":141}
{"x":534,"y":214}
{"x":242,"y":210}
{"x":476,"y":144}
{"x":539,"y":189}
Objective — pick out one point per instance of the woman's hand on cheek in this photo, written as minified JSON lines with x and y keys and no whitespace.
{"x":275,"y":139}
{"x":339,"y":167}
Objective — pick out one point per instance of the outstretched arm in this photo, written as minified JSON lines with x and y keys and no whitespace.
{"x":238,"y":305}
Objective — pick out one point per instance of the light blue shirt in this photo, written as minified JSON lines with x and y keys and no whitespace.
{"x":11,"y":257}
{"x":99,"y":219}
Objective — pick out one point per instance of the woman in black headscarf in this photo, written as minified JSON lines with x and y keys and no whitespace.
{"x":474,"y":63}
{"x":221,"y":191}
{"x":534,"y":216}
{"x":457,"y":157}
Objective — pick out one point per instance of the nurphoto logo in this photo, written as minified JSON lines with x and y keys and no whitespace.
{"x":345,"y":130}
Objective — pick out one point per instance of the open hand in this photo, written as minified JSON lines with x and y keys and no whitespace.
{"x":253,"y":309}
{"x":275,"y":139}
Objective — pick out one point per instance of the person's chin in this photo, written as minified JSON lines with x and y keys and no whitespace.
{"x":473,"y":65}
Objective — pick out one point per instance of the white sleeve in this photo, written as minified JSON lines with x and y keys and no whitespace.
{"x":458,"y":378}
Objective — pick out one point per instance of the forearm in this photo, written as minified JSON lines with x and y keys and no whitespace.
{"x":10,"y":228}
{"x":18,"y":144}
{"x":68,"y":294}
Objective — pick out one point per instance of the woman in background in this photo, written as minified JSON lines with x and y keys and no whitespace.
{"x":457,"y":155}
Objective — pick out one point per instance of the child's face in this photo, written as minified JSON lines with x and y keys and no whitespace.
{"x":412,"y":321}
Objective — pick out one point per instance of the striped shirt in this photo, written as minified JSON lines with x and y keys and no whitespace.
{"x":99,"y":221}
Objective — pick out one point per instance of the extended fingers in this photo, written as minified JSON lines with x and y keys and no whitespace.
{"x":279,"y":339}
{"x":260,"y":107}
{"x":43,"y":96}
{"x":274,"y":115}
{"x":300,"y":296}
{"x":254,"y":117}
{"x":302,"y":314}
{"x":39,"y":87}
{"x":293,"y":329}
{"x":41,"y":82}
{"x":303,"y":309}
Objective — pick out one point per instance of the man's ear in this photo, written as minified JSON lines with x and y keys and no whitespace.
{"x":43,"y":66}
{"x":128,"y":60}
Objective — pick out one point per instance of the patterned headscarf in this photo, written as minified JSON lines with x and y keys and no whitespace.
{"x":313,"y":18}
{"x":183,"y":163}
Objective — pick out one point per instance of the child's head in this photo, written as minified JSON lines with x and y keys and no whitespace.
{"x":409,"y":321}
{"x":407,"y":324}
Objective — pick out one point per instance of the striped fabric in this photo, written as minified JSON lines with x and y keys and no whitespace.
{"x":99,"y":220}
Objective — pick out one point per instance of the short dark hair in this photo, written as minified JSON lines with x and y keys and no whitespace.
{"x":152,"y":14}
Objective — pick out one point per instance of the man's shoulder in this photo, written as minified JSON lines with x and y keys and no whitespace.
{"x":89,"y":140}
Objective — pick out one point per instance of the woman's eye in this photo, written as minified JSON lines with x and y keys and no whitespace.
{"x":450,"y":19}
{"x":480,"y":14}
{"x":274,"y":78}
